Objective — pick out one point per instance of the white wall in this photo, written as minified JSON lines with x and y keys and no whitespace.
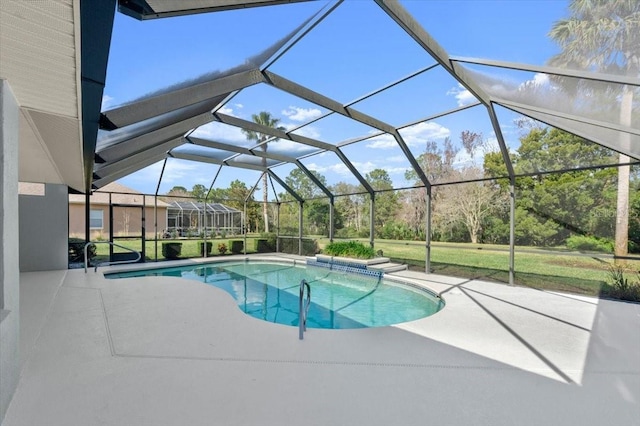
{"x":9,"y":263}
{"x":44,"y":238}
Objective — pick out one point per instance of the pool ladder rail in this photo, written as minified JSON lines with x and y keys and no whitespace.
{"x":304,"y":307}
{"x":119,"y":262}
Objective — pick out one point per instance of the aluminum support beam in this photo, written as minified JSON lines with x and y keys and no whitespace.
{"x":205,"y":159}
{"x":239,"y":150}
{"x":285,"y":186}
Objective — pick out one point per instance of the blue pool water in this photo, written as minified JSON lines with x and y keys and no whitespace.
{"x":270,"y":291}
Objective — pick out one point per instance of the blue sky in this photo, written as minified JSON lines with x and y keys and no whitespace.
{"x":354,"y":51}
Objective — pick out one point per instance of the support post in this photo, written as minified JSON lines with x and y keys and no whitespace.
{"x":512,"y":230}
{"x":331,"y":219}
{"x":244,"y":228}
{"x":87,"y":216}
{"x":427,"y":263}
{"x":372,"y":216}
{"x":278,"y":230}
{"x":301,"y":203}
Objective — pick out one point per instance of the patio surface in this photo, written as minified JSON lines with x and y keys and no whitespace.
{"x":168,"y":351}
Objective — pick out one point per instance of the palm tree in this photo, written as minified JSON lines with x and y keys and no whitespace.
{"x":604,"y":35}
{"x":264,"y":118}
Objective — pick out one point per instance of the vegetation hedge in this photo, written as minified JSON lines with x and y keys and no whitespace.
{"x":354,"y":249}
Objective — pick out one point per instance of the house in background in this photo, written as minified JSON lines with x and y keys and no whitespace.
{"x":127,"y":206}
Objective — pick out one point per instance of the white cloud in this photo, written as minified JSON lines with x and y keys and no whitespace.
{"x":396,"y":159}
{"x":239,"y":106}
{"x":301,"y":114}
{"x":385,"y":141}
{"x":463,"y":159}
{"x":221,"y":133}
{"x":412,"y":136}
{"x":342,"y":170}
{"x":462,"y":95}
{"x":227,"y":111}
{"x":307,"y":131}
{"x":423,"y":132}
{"x":539,"y":80}
{"x":107,"y":102}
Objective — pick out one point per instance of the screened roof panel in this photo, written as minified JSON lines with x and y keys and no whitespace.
{"x":251,"y":160}
{"x":427,"y":94}
{"x":504,"y":24}
{"x":384,"y":153}
{"x":350,"y":54}
{"x":288,"y":148}
{"x":198,"y":31}
{"x":585,"y":99}
{"x":378,"y":51}
{"x":213,"y":154}
{"x":607,"y":138}
{"x":334,"y":129}
{"x":290,"y":110}
{"x":225,"y":133}
{"x":201,"y":207}
{"x":438,"y":147}
{"x":329,"y":165}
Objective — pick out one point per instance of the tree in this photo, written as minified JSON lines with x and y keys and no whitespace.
{"x":264,"y":118}
{"x":349,"y":206}
{"x":551,"y":207}
{"x":302,"y":185}
{"x":179,"y":193}
{"x":386,"y":203}
{"x":199,"y":191}
{"x":604,"y":35}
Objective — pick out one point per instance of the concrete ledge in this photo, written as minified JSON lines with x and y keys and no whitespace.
{"x":338,"y":259}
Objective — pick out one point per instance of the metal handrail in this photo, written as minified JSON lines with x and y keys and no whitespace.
{"x":303,"y":307}
{"x":118,"y":262}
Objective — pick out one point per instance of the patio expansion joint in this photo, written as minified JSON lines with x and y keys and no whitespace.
{"x":106,"y":323}
{"x":319,"y":362}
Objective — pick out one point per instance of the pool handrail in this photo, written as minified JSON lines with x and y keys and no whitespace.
{"x":303,"y":307}
{"x":118,"y":262}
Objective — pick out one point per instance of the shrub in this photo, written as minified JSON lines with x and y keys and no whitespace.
{"x":76,"y":250}
{"x":222,"y":248}
{"x":237,"y":246}
{"x":588,"y":243}
{"x":621,"y":287}
{"x":171,"y":250}
{"x":349,"y":249}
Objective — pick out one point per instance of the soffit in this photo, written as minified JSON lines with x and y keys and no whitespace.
{"x":38,"y":58}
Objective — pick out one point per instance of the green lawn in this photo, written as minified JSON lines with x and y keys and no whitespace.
{"x":552,"y":271}
{"x":534,"y":267}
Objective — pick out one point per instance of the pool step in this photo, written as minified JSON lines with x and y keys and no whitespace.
{"x":388,"y":267}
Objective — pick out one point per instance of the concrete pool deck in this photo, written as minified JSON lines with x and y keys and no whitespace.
{"x":168,"y":351}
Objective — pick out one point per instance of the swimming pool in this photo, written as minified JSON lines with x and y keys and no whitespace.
{"x":339,"y":300}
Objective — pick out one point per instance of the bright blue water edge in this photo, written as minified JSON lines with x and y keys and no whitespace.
{"x":270,"y":291}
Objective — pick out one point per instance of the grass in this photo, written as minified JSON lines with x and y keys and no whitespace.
{"x":561,"y":270}
{"x":534,"y":267}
